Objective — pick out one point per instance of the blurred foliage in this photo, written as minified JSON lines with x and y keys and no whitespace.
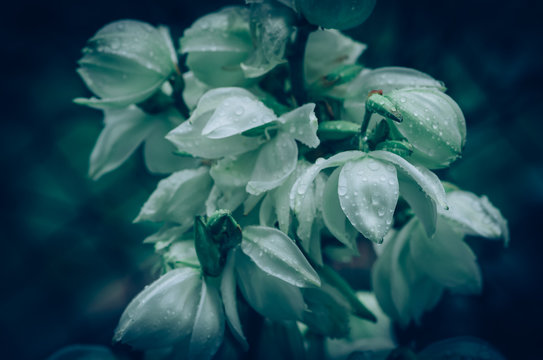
{"x":73,"y":258}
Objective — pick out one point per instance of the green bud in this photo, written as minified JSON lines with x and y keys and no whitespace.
{"x":337,"y":130}
{"x":214,"y":239}
{"x":125,"y":63}
{"x":432,"y":122}
{"x":336,"y":14}
{"x":401,"y":148}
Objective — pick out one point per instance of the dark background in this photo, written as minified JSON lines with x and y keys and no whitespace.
{"x":72,"y":259}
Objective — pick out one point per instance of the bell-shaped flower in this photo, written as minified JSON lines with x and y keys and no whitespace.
{"x":230,"y":122}
{"x":336,"y":14}
{"x":125,"y":63}
{"x":329,"y":60}
{"x":432,"y":123}
{"x":414,"y":269}
{"x":181,"y":307}
{"x":386,"y":79}
{"x":217,"y":44}
{"x":363,"y":191}
{"x":125,"y":129}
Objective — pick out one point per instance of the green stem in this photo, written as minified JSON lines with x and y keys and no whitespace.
{"x":295,"y":58}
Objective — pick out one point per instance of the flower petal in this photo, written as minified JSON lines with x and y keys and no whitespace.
{"x":163,"y":313}
{"x":229,"y":299}
{"x":419,"y":186}
{"x":302,"y":125}
{"x":277,"y":254}
{"x":268,"y":295}
{"x":178,"y":198}
{"x":368,"y":193}
{"x":125,"y":129}
{"x":275,"y":162}
{"x":208,"y":330}
{"x":334,"y":218}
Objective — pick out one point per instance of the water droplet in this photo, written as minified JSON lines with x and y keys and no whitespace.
{"x":381,"y":212}
{"x":373,"y":165}
{"x":240,"y":111}
{"x":342,"y":190}
{"x":434,"y":126}
{"x":120,"y":26}
{"x":402,"y":99}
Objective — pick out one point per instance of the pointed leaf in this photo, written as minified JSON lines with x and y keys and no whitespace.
{"x":277,"y":254}
{"x":276,"y":160}
{"x":368,"y":193}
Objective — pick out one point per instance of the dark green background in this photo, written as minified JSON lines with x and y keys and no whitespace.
{"x":72,"y":259}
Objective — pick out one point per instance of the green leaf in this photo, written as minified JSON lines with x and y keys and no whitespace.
{"x":178,"y":198}
{"x":277,"y":254}
{"x":301,"y":124}
{"x":208,"y":331}
{"x":124,"y":131}
{"x":229,"y":298}
{"x":368,"y":193}
{"x":163,"y":313}
{"x":333,"y":216}
{"x":275,"y":161}
{"x":268,"y":295}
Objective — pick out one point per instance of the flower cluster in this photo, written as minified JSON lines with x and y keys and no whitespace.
{"x":277,"y":160}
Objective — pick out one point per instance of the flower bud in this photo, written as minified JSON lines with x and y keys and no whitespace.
{"x":125,"y":62}
{"x":336,"y":14}
{"x":432,"y":123}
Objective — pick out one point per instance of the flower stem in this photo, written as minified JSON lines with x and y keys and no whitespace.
{"x":295,"y":58}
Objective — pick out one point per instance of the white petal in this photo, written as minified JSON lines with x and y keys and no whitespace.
{"x":208,"y":330}
{"x":178,"y":198}
{"x":125,"y":129}
{"x":334,"y":218}
{"x":302,"y":125}
{"x":277,"y":254}
{"x":229,"y":298}
{"x":275,"y":162}
{"x":235,"y":115}
{"x":368,"y":193}
{"x":268,"y":295}
{"x":163,"y":313}
{"x":234,"y":171}
{"x":419,"y":186}
{"x":446,"y":258}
